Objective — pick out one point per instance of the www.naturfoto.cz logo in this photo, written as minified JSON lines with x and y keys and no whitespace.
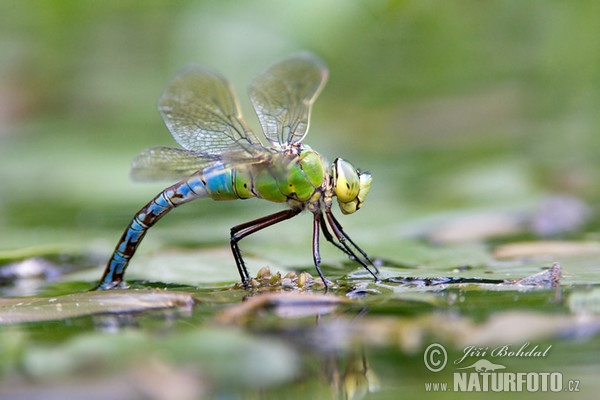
{"x":478,"y":371}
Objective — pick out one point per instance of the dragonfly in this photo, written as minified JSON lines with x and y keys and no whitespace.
{"x":221,"y":158}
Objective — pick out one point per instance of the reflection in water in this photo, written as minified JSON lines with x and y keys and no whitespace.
{"x":358,"y":379}
{"x":329,"y":342}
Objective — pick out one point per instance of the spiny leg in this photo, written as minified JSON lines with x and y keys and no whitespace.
{"x":239,"y":232}
{"x":329,"y":237}
{"x":343,"y":237}
{"x":361,"y":251}
{"x":318,"y":221}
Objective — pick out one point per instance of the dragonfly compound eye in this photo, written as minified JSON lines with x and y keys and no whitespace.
{"x":365,"y":185}
{"x":345,"y":181}
{"x":349,"y":186}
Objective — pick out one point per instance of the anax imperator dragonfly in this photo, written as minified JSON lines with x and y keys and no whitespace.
{"x":223,"y":159}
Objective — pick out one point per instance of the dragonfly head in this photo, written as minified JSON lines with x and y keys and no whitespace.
{"x":350,"y":185}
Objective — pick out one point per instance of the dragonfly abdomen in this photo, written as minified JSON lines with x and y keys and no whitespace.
{"x":216,"y":181}
{"x":179,"y":193}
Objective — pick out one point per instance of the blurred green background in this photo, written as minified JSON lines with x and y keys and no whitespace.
{"x":463,"y":109}
{"x":449,"y":104}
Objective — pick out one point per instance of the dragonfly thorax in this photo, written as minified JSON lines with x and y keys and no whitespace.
{"x":350,"y":185}
{"x":296,"y":176}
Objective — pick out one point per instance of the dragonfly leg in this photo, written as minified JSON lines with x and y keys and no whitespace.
{"x":329,"y":237}
{"x":317,"y":222}
{"x":343,"y":238}
{"x":239,"y":232}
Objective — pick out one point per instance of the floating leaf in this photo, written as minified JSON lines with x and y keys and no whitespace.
{"x":88,"y":303}
{"x":476,"y":227}
{"x":284,"y":304}
{"x":545,"y":248}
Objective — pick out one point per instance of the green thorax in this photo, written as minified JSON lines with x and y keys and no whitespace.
{"x":286,"y":177}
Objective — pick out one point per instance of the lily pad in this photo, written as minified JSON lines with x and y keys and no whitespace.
{"x":38,"y":309}
{"x":283,"y":304}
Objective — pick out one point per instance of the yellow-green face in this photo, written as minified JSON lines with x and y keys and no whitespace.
{"x":350,"y":186}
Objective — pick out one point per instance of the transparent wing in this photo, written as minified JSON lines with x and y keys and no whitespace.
{"x":283,"y":95}
{"x":166,"y":163}
{"x":203,"y":114}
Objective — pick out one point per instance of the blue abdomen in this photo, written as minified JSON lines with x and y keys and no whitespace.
{"x":217,"y":181}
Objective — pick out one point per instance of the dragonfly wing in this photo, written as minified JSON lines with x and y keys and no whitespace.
{"x":203,"y":115}
{"x":283,"y":95}
{"x":166,"y":163}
